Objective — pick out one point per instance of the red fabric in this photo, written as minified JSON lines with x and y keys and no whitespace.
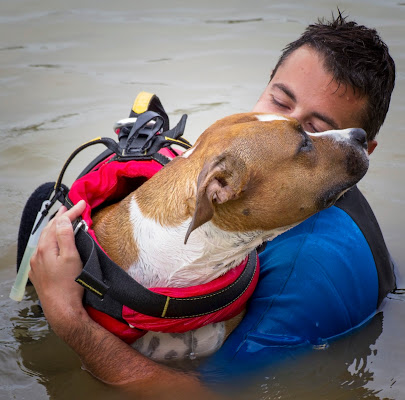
{"x":145,"y":323}
{"x":123,"y":331}
{"x":111,"y":181}
{"x":149,"y":323}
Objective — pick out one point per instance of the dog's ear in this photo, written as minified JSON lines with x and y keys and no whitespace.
{"x":220,"y":180}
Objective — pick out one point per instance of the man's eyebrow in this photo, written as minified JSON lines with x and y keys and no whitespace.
{"x":328,"y":120}
{"x":286,"y":90}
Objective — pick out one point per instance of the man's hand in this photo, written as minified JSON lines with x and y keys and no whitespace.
{"x":55,"y":265}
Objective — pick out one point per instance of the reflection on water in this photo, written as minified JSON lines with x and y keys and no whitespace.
{"x":43,"y":360}
{"x":70,"y":70}
{"x":342,"y":370}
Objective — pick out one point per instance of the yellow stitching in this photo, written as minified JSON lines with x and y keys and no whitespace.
{"x":220,"y":308}
{"x":89,"y":287}
{"x":182,"y":139}
{"x":177,"y":141}
{"x":91,"y":140}
{"x":165,"y":307}
{"x":222,"y":290}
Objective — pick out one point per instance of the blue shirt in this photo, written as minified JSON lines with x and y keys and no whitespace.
{"x":317,"y":280}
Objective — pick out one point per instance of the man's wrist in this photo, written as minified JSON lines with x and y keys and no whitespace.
{"x":64,"y":315}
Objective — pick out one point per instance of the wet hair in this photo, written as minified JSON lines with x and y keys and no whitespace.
{"x":357,"y":58}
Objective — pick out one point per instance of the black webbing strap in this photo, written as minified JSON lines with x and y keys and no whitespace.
{"x":355,"y":204}
{"x":154,"y":104}
{"x":142,"y":137}
{"x":109,"y":287}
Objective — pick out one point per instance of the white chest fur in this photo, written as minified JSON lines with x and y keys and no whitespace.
{"x":164,"y":260}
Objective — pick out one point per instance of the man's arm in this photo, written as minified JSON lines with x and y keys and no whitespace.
{"x":54,"y":267}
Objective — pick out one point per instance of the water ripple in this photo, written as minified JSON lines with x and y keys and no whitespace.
{"x":199,"y":107}
{"x":233,"y":21}
{"x":53,"y":123}
{"x":398,"y":294}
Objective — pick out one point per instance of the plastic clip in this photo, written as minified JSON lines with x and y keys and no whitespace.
{"x":81,"y":224}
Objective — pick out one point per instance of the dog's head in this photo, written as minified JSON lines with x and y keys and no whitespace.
{"x":263,"y":172}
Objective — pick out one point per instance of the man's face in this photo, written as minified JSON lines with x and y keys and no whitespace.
{"x":302,"y":89}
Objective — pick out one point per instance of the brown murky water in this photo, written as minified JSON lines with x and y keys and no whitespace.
{"x":69,"y":70}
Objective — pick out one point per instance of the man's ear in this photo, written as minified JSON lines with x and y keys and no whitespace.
{"x":371,"y":145}
{"x":222,"y":179}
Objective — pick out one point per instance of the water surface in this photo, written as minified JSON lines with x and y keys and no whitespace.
{"x":69,"y":70}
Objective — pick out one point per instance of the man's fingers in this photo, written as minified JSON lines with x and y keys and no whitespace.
{"x":57,"y":237}
{"x":64,"y":230}
{"x":65,"y":236}
{"x":47,"y":240}
{"x":76,"y":210}
{"x":62,"y":210}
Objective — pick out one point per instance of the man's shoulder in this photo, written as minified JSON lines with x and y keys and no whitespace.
{"x":331,"y":231}
{"x":320,"y":268}
{"x":324,"y":253}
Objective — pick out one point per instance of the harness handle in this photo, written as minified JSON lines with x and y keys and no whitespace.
{"x":140,"y":137}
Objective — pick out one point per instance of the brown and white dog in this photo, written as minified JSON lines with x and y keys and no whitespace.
{"x":248,"y":178}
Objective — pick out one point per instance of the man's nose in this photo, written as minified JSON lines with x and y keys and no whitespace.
{"x":298,"y":115}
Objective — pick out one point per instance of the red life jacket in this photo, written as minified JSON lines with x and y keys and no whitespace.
{"x":111,"y":181}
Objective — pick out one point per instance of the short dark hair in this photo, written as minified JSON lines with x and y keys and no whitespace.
{"x":357,"y":57}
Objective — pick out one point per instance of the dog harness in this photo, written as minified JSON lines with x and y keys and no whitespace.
{"x":113,"y":298}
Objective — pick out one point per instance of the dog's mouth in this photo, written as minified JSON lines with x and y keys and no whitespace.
{"x":353,"y":163}
{"x":331,"y":196}
{"x":356,"y":165}
{"x":357,"y":161}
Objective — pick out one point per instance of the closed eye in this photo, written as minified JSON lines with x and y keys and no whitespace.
{"x":311,"y":128}
{"x":278,"y":104}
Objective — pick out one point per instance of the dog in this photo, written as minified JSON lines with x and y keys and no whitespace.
{"x":248,"y":178}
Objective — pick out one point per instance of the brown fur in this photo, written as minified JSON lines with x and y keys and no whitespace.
{"x":119,"y":244}
{"x":243,"y":174}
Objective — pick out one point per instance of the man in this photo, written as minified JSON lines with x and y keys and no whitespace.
{"x":319,"y":280}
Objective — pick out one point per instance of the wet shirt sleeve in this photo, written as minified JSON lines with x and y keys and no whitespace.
{"x":317,"y":281}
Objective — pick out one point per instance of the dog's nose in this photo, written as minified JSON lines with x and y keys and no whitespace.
{"x":359,"y":135}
